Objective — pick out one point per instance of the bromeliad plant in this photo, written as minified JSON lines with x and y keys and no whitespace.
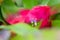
{"x":34,"y":12}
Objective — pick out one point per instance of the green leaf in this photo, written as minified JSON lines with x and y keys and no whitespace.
{"x":25,"y":30}
{"x":49,"y":34}
{"x":29,"y":3}
{"x":19,"y":3}
{"x":39,"y":1}
{"x":56,"y":16}
{"x":44,"y":2}
{"x":1,"y":17}
{"x":30,"y":33}
{"x":56,"y":23}
{"x":17,"y":37}
{"x":8,"y":7}
{"x":53,"y":2}
{"x":0,"y":14}
{"x":55,"y":5}
{"x":50,"y":2}
{"x":22,"y":28}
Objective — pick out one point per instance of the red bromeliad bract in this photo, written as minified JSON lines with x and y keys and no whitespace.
{"x":42,"y":13}
{"x":18,"y":17}
{"x":24,"y":13}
